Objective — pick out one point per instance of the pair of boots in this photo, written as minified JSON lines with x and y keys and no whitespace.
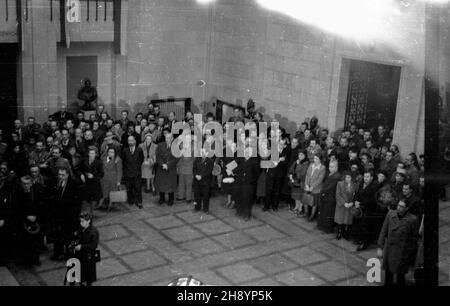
{"x":342,"y":231}
{"x":162,"y":199}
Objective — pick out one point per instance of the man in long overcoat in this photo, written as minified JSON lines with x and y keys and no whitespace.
{"x":65,"y":211}
{"x":247,"y":173}
{"x":365,"y":200}
{"x":327,"y":204}
{"x":398,"y":243}
{"x":132,"y":158}
{"x":166,"y":170}
{"x":202,"y":171}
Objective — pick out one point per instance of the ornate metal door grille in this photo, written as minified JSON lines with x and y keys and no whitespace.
{"x":358,"y":95}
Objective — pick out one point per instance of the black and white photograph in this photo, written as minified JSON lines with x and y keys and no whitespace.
{"x":257,"y":143}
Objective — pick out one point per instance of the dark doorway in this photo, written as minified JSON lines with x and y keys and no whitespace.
{"x":79,"y":68}
{"x":8,"y":85}
{"x":372,"y":95}
{"x":180,"y":106}
{"x":225,"y":110}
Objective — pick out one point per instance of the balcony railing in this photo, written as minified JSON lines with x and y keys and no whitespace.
{"x":100,"y":20}
{"x":8,"y":21}
{"x":91,"y":10}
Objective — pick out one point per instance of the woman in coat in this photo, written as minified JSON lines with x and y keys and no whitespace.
{"x":297,"y":174}
{"x":112,"y":168}
{"x":91,"y":174}
{"x":313,"y":185}
{"x":227,"y":175}
{"x":86,"y":243}
{"x":149,"y":149}
{"x":343,"y":217}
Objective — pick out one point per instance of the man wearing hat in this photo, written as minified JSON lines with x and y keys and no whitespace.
{"x":397,"y":243}
{"x":28,"y":199}
{"x":109,"y":142}
{"x":388,"y":164}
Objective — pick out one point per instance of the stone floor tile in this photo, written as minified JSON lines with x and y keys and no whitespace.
{"x":299,"y":277}
{"x":273,"y":264}
{"x":234,"y":240}
{"x":114,"y":231}
{"x":333,"y":271}
{"x":213,"y":227}
{"x":240,"y":223}
{"x":125,"y":245}
{"x":264,"y":233}
{"x":202,"y":247}
{"x":304,"y":256}
{"x":143,"y":260}
{"x":266,"y":282}
{"x":191,"y":217}
{"x":182,"y":233}
{"x":110,"y":267}
{"x":164,"y":222}
{"x":240,"y":272}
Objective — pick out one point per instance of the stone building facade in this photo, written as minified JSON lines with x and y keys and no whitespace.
{"x":144,"y":49}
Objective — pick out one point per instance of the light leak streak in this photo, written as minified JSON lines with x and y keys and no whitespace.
{"x":386,"y":24}
{"x":363,"y":20}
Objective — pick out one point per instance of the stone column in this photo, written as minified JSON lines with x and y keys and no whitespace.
{"x":38,"y":63}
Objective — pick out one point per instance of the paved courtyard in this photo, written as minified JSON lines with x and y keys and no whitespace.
{"x":159,"y":243}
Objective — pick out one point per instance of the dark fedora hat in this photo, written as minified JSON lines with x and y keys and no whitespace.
{"x":32,"y":228}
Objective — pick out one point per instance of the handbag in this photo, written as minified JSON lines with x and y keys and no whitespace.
{"x":308,"y":199}
{"x":119,"y":196}
{"x":97,"y":256}
{"x":356,"y":212}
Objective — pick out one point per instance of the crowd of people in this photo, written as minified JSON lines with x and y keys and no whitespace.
{"x":355,"y":183}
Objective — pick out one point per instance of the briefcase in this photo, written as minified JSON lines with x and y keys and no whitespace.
{"x":119,"y":196}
